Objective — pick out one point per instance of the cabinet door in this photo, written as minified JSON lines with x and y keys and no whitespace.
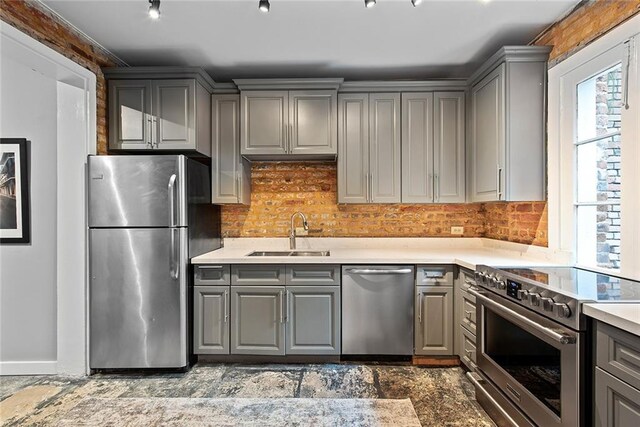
{"x":211,"y":320}
{"x":434,"y":320}
{"x":617,"y":404}
{"x":312,"y":122}
{"x":228,"y":171}
{"x":264,"y":122}
{"x":353,"y":144}
{"x":313,"y":320}
{"x":384,"y":134}
{"x":130,"y":117}
{"x":174,"y":110}
{"x":258,"y":320}
{"x":449,"y":153}
{"x":487,"y":136}
{"x":417,"y":147}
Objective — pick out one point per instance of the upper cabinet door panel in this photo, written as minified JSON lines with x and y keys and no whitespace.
{"x":417,"y":147}
{"x":174,"y":110}
{"x":264,"y":122}
{"x":449,"y":153}
{"x":353,"y":157}
{"x":129,"y":114}
{"x":384,"y":125}
{"x":312,"y":122}
{"x":225,"y":156}
{"x":487,"y":127}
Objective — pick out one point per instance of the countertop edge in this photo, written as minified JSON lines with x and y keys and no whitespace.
{"x":603,"y":312}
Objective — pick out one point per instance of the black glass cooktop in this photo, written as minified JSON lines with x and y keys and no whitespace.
{"x":582,"y":284}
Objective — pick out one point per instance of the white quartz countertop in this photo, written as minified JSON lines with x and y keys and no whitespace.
{"x":467,"y":257}
{"x":625,"y":316}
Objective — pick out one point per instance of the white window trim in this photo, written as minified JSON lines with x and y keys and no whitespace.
{"x":561,"y":150}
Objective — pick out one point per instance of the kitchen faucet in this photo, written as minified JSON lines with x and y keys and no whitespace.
{"x":292,"y":232}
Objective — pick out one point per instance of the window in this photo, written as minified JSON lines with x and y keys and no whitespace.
{"x":594,"y":154}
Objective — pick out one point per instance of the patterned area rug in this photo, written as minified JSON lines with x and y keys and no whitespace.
{"x":148,"y":412}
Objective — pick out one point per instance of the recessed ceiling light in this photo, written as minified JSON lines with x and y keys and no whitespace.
{"x":415,"y":2}
{"x":154,"y":9}
{"x":264,"y":6}
{"x":369,"y":3}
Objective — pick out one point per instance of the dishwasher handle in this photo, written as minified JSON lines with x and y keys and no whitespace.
{"x":379,"y":270}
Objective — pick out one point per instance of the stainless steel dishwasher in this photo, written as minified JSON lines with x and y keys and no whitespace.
{"x":377,"y":309}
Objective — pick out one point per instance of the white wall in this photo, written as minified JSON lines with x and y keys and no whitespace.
{"x":28,"y":105}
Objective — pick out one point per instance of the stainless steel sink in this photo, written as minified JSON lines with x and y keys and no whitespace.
{"x":289,"y":253}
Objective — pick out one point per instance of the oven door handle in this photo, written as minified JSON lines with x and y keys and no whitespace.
{"x":560,"y":338}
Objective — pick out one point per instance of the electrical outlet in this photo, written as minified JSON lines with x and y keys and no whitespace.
{"x":457,"y":230}
{"x":300,"y":231}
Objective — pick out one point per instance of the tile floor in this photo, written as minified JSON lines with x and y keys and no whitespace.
{"x":440,"y":396}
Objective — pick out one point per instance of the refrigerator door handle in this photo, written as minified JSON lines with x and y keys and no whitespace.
{"x":174,"y":262}
{"x":172,"y":200}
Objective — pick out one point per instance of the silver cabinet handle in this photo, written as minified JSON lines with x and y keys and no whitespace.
{"x":291,"y":138}
{"x":420,"y":307}
{"x":499,"y":182}
{"x":287,"y":302}
{"x":366,"y":186}
{"x":467,"y":314}
{"x":154,"y":131}
{"x":226,"y":306}
{"x":172,"y":200}
{"x":560,"y":338}
{"x":149,"y":127}
{"x":210,"y":267}
{"x":431,"y":184}
{"x":379,"y":271}
{"x":281,"y":306}
{"x":371,"y":187}
{"x":437,"y":187}
{"x":431,"y":274}
{"x":238,"y":187}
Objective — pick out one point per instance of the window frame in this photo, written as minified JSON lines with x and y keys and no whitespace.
{"x":619,"y":45}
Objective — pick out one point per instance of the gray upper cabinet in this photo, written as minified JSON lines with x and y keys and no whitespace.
{"x":369,"y":141}
{"x":211,"y":320}
{"x":159,"y":108}
{"x":230,"y":172}
{"x":433,"y":151}
{"x":313,"y":320}
{"x":313,"y":122}
{"x":264,"y":119}
{"x":507,"y":125}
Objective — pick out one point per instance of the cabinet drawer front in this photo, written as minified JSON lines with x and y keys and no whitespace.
{"x":212,"y":275}
{"x":617,"y":403}
{"x":466,"y":279}
{"x":468,"y":346}
{"x":618,"y":352}
{"x":469,"y":312}
{"x":314,"y":274}
{"x":256,"y":275}
{"x":434,"y":275}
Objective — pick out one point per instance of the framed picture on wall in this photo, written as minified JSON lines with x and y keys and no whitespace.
{"x":14,"y":191}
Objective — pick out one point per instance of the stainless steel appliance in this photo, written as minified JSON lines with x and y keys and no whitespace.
{"x":533,"y":341}
{"x":377,"y":310}
{"x":148,"y":215}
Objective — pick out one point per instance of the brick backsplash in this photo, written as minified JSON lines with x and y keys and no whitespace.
{"x":280,"y":189}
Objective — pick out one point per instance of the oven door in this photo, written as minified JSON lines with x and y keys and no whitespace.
{"x":532,"y":360}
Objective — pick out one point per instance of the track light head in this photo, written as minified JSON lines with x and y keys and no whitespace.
{"x":416,"y":2}
{"x":264,"y":6}
{"x":369,"y":3}
{"x":154,"y":9}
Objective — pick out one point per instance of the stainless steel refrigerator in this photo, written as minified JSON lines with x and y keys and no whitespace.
{"x":148,"y":215}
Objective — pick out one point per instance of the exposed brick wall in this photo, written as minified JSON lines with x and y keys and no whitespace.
{"x":588,"y":21}
{"x":280,"y":189}
{"x":38,"y":22}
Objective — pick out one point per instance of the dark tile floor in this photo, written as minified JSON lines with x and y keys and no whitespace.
{"x":440,"y":396}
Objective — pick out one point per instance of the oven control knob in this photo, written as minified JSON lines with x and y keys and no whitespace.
{"x":478,"y":276}
{"x":562,"y":310}
{"x":534,"y":298}
{"x":491,"y":281}
{"x":501,"y":284}
{"x":523,"y":294}
{"x":547,"y":303}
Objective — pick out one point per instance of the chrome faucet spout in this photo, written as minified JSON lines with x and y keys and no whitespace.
{"x":292,"y":231}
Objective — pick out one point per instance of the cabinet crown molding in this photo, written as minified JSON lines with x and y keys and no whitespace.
{"x":510,"y":54}
{"x":279,"y":84}
{"x":126,"y":73}
{"x":403,"y":85}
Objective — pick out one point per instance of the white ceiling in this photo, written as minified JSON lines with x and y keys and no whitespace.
{"x":313,"y":38}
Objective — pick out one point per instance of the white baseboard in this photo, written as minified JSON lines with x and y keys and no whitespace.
{"x":47,"y":367}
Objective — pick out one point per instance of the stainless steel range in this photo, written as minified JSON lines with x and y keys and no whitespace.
{"x":533,"y":341}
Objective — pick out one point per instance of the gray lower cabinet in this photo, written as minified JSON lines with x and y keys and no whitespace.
{"x":465,"y":319}
{"x":369,"y":141}
{"x":211,"y":320}
{"x":148,"y":112}
{"x":258,"y":320}
{"x":617,"y":404}
{"x":434,"y":321}
{"x":313,"y":320}
{"x":230,"y":172}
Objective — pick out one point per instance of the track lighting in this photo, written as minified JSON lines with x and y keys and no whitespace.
{"x":154,"y":9}
{"x":415,"y":2}
{"x":369,"y":3}
{"x":264,"y":6}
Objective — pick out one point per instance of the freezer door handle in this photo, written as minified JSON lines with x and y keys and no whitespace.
{"x":171,"y":187}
